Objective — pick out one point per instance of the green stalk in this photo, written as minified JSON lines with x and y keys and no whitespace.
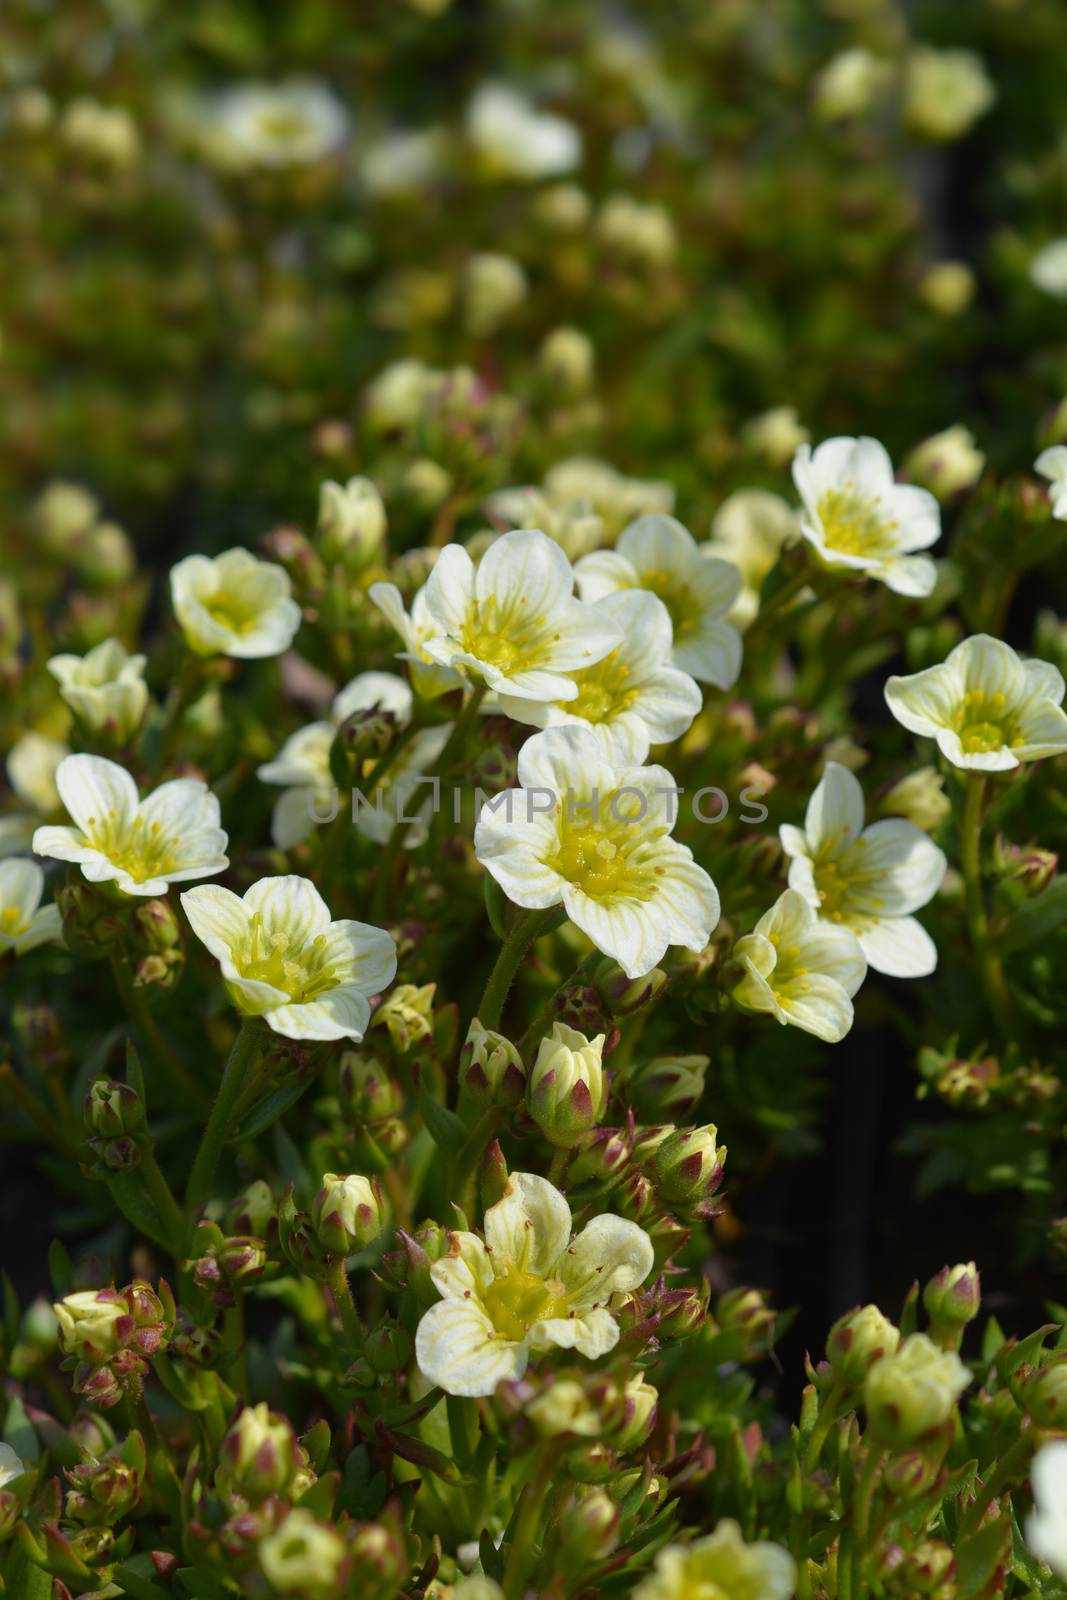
{"x":242,"y":1057}
{"x":824,"y":1421}
{"x":162,"y":1197}
{"x":523,"y":1552}
{"x":146,"y":1027}
{"x":461,"y":727}
{"x":341,"y":1290}
{"x":990,"y":968}
{"x":530,"y":926}
{"x":861,"y":1515}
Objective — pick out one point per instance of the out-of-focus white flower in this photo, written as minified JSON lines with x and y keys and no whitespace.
{"x":749,"y":530}
{"x":721,"y":1566}
{"x":234,"y":605}
{"x":302,"y":766}
{"x":32,"y":764}
{"x":868,"y":880}
{"x":274,"y":126}
{"x":513,"y":140}
{"x":633,"y":697}
{"x":594,"y":837}
{"x":105,"y":135}
{"x":946,"y":462}
{"x":140,"y":845}
{"x":494,"y":287}
{"x":800,"y":970}
{"x":514,"y":622}
{"x":1048,"y":269}
{"x":849,"y":83}
{"x":63,"y":515}
{"x":285,"y":960}
{"x":986,"y":708}
{"x":104,"y":688}
{"x":302,"y":1556}
{"x":351,"y":521}
{"x":526,"y":1289}
{"x":637,"y":231}
{"x":1046,"y":1527}
{"x":857,"y":516}
{"x":24,"y":922}
{"x":404,"y":162}
{"x":416,"y":631}
{"x":615,"y":498}
{"x":1052,"y":464}
{"x":396,"y":397}
{"x":567,"y":361}
{"x":10,"y":1466}
{"x":697,"y":587}
{"x":776,"y":434}
{"x":573,"y":524}
{"x":945,"y":92}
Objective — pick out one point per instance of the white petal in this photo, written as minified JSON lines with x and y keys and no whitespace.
{"x":711,"y":655}
{"x":458,"y":1349}
{"x":914,"y":576}
{"x":219,"y":918}
{"x":531,"y":1225}
{"x":290,"y":820}
{"x":338,"y":1014}
{"x":288,"y":905}
{"x":602,"y":573}
{"x":365,"y":954}
{"x":835,"y":810}
{"x":610,"y":1256}
{"x":656,"y":542}
{"x":374,"y":691}
{"x":591,"y":1333}
{"x":450,"y":589}
{"x":21,"y":887}
{"x":526,"y":571}
{"x":898,"y":946}
{"x":823,"y":1008}
{"x":92,"y":789}
{"x":909,"y":867}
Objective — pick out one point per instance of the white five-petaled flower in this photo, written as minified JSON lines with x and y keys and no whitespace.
{"x":513,"y":140}
{"x":1046,"y":1527}
{"x":697,"y":587}
{"x":1052,"y":464}
{"x":857,"y":516}
{"x":527,"y":1288}
{"x":632,"y":697}
{"x":986,"y":708}
{"x":302,"y":766}
{"x":800,"y":970}
{"x":720,"y":1566}
{"x":594,"y":836}
{"x":24,"y":922}
{"x":285,"y":960}
{"x":415,"y":629}
{"x":274,"y":125}
{"x":869,"y":880}
{"x":234,"y":605}
{"x":104,"y":688}
{"x":140,"y":845}
{"x":514,"y":622}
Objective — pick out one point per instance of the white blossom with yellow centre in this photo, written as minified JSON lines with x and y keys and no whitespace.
{"x":513,"y":622}
{"x":720,"y":1567}
{"x":594,"y":836}
{"x":104,"y":688}
{"x":273,"y":126}
{"x":749,"y":529}
{"x":800,"y":970}
{"x":24,"y":922}
{"x":415,"y":629}
{"x":986,"y":708}
{"x":510,"y":138}
{"x":284,"y":959}
{"x":140,"y":845}
{"x":234,"y":605}
{"x":631,"y":698}
{"x":858,"y":517}
{"x":697,"y":587}
{"x":869,"y":880}
{"x":527,"y":1287}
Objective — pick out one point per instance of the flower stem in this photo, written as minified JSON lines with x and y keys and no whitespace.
{"x":145,"y":1025}
{"x":242,"y":1056}
{"x":341,"y":1290}
{"x":523,"y":1552}
{"x":990,"y":968}
{"x":861,"y":1514}
{"x":461,"y":726}
{"x":824,"y":1421}
{"x":530,"y":926}
{"x":161,"y":1196}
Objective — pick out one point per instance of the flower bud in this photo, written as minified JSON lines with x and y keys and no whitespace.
{"x":600,"y":1154}
{"x":254,"y":1211}
{"x":746,"y":1314}
{"x":63,"y":514}
{"x":945,"y":91}
{"x":92,"y":923}
{"x":114,"y":1122}
{"x":640,"y":1408}
{"x":579,"y":1006}
{"x":303,"y":1557}
{"x":41,"y":1034}
{"x":857,"y":1340}
{"x":678,"y":1312}
{"x":688,"y":1168}
{"x":588,"y":1532}
{"x":912,"y":1392}
{"x":849,"y":83}
{"x":368,"y":1093}
{"x":566,"y":1405}
{"x":378,"y":1558}
{"x":567,"y":1091}
{"x":196,"y":1343}
{"x":913,"y":1472}
{"x":291,"y":549}
{"x":919,"y":798}
{"x":107,"y":1489}
{"x":624,"y":997}
{"x":1045,"y":1396}
{"x":494,"y":286}
{"x":668,"y":1087}
{"x":947,"y":288}
{"x":388,"y":1347}
{"x":347,"y":1213}
{"x":491,"y":1070}
{"x":1028,"y":868}
{"x":259,"y":1455}
{"x":567,"y":361}
{"x":94,"y":1324}
{"x":106,"y":558}
{"x":227,"y":1263}
{"x":946,"y":463}
{"x":952,"y":1298}
{"x":407,"y":1013}
{"x":351,"y":525}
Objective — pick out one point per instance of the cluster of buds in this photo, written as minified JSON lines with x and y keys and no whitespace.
{"x":156,"y":945}
{"x":92,"y":918}
{"x":108,"y":1335}
{"x":373,"y":1099}
{"x":105,"y":1488}
{"x":114,"y":1117}
{"x":491,"y":1070}
{"x":227,"y":1263}
{"x":408,"y":1015}
{"x":687,"y":1168}
{"x":1021,"y":871}
{"x":625,"y":997}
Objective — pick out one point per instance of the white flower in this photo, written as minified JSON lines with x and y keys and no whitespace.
{"x":140,"y":845}
{"x":946,"y":462}
{"x":595,"y":837}
{"x":800,"y":970}
{"x":749,"y":529}
{"x":1046,"y":1527}
{"x":234,"y":605}
{"x":10,"y":1466}
{"x":776,"y":434}
{"x":858,"y":517}
{"x":573,"y":524}
{"x":722,"y":1567}
{"x":494,"y":286}
{"x":849,"y":83}
{"x":945,"y":91}
{"x":514,"y":622}
{"x":275,"y":126}
{"x":513,"y":140}
{"x":24,"y":922}
{"x":527,"y":1288}
{"x":866,"y":879}
{"x":403,"y":162}
{"x":695,"y":585}
{"x":104,"y":688}
{"x":1052,"y":464}
{"x":986,"y":708}
{"x":284,"y":960}
{"x":396,"y":397}
{"x":615,"y":498}
{"x":632,"y":698}
{"x":302,"y":765}
{"x":32,"y":764}
{"x":416,"y":630}
{"x":1048,"y":269}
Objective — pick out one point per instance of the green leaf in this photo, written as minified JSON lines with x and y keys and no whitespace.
{"x":134,"y":1072}
{"x":60,"y":1269}
{"x":19,"y":1432}
{"x":1035,"y":919}
{"x":266,"y":1112}
{"x":25,"y":1580}
{"x":978,"y":1558}
{"x":446,"y":1129}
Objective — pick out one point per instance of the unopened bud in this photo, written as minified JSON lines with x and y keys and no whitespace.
{"x":952,"y":1298}
{"x":919,"y":798}
{"x":567,"y":1091}
{"x":491,"y":1070}
{"x":92,"y":922}
{"x":623,"y":996}
{"x":746,"y":1314}
{"x":640,"y":1407}
{"x":589,"y":1531}
{"x":259,"y":1455}
{"x":914,"y":1391}
{"x":368,"y":1093}
{"x":857,"y":1340}
{"x":669,"y":1086}
{"x":351,"y":525}
{"x":347,"y":1213}
{"x":688,"y":1168}
{"x":1045,"y":1396}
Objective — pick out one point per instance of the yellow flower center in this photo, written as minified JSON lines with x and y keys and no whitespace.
{"x":840,"y":880}
{"x":984,"y":722}
{"x":855,"y":524}
{"x":602,"y":691}
{"x":516,"y":1299}
{"x":230,"y":611}
{"x":143,"y":851}
{"x":505,"y":637}
{"x":302,"y":972}
{"x":600,"y":856}
{"x":684,"y":608}
{"x":283,"y":126}
{"x":787,"y":973}
{"x":12,"y":921}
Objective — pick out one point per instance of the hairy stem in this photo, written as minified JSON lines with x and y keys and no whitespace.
{"x":242,"y":1056}
{"x":530,"y":926}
